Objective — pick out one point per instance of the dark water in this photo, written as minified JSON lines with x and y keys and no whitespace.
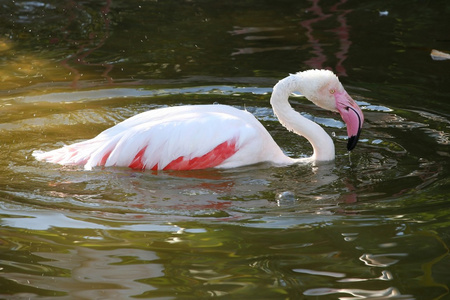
{"x":373,"y":225}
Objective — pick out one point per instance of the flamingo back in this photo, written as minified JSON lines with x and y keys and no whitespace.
{"x":176,"y":138}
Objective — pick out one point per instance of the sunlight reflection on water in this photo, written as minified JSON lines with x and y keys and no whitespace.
{"x":373,"y":224}
{"x":94,"y":273}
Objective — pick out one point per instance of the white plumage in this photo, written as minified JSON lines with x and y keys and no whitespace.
{"x":170,"y":133}
{"x":204,"y":136}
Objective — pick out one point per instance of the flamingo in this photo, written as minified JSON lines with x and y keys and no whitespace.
{"x":216,"y":136}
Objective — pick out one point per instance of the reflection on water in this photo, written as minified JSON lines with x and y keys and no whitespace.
{"x":373,"y":224}
{"x":225,"y":259}
{"x":118,"y":233}
{"x":107,"y":274}
{"x":358,"y":294}
{"x":79,"y":17}
{"x":342,"y":33}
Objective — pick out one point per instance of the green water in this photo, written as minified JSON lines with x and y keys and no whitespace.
{"x":372,"y":225}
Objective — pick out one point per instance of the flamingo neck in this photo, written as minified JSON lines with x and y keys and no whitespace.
{"x":321,"y":142}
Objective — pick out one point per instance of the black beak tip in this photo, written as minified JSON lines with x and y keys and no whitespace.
{"x":352,"y":141}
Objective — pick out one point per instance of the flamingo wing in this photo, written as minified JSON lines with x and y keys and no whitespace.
{"x":177,"y":138}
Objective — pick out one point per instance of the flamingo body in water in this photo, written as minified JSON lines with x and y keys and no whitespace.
{"x":216,"y":136}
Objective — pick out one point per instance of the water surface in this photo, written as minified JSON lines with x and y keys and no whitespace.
{"x":373,"y":224}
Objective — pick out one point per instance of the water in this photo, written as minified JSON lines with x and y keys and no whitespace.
{"x":374,"y":224}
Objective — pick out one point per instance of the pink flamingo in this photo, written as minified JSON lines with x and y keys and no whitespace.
{"x":216,"y":136}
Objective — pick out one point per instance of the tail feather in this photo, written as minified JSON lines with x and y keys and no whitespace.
{"x":76,"y":154}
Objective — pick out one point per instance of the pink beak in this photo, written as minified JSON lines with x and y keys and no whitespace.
{"x":352,"y":116}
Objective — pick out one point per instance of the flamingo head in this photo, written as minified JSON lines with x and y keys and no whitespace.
{"x":323,"y":88}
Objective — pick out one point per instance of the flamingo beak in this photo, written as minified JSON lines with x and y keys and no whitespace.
{"x":352,"y":115}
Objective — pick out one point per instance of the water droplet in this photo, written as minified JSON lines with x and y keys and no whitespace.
{"x":285,"y":198}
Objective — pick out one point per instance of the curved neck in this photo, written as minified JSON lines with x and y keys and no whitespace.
{"x":321,"y":142}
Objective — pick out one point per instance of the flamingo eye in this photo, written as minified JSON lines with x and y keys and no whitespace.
{"x":332,"y":91}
